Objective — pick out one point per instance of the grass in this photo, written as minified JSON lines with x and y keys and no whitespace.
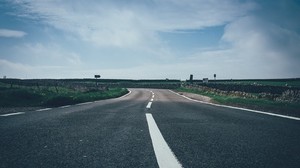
{"x":23,"y":96}
{"x":256,"y":104}
{"x":291,"y":83}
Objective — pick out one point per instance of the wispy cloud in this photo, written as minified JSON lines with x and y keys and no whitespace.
{"x":20,"y":70}
{"x":47,"y":54}
{"x":113,"y":23}
{"x":11,"y":33}
{"x":255,"y":49}
{"x":260,"y":40}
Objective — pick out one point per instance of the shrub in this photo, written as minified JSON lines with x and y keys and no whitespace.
{"x":59,"y":101}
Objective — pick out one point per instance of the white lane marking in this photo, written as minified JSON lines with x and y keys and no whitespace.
{"x":125,"y":95}
{"x":151,"y":100}
{"x":45,"y":109}
{"x":239,"y":108}
{"x":65,"y":106}
{"x":152,"y":94}
{"x":85,"y":103}
{"x":114,"y":98}
{"x":11,"y":114}
{"x":149,"y":105}
{"x":164,"y":155}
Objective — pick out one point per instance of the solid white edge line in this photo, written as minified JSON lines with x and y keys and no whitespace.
{"x":85,"y":103}
{"x":103,"y":99}
{"x":163,"y":153}
{"x":11,"y":114}
{"x":65,"y":106}
{"x":45,"y":109}
{"x":240,"y":108}
{"x":149,"y":105}
{"x":125,"y":94}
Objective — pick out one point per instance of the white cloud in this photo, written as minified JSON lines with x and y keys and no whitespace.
{"x":196,"y":14}
{"x":251,"y":47}
{"x":255,"y":49}
{"x":47,"y":54}
{"x":119,"y":24}
{"x":8,"y":67}
{"x":11,"y":33}
{"x":12,"y":69}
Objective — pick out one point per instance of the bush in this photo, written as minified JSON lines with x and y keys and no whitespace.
{"x":60,"y":101}
{"x":18,"y":98}
{"x":289,"y":96}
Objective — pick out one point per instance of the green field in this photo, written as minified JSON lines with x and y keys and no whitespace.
{"x":52,"y":96}
{"x":52,"y":92}
{"x":292,"y":82}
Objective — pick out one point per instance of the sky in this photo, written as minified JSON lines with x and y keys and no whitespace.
{"x":150,"y":39}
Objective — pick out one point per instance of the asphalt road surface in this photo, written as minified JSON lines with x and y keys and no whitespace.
{"x":148,"y":128}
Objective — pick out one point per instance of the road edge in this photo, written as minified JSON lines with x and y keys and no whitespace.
{"x":239,"y":108}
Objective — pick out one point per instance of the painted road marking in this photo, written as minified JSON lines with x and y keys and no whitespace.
{"x":164,"y":155}
{"x":65,"y":106}
{"x":11,"y":114}
{"x":80,"y":104}
{"x":45,"y":109}
{"x":149,"y":105}
{"x":151,"y":100}
{"x":239,"y":108}
{"x":125,"y":95}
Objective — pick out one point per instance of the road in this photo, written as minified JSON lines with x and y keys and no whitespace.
{"x":148,"y":128}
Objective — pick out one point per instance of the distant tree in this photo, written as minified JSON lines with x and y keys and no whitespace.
{"x":191,"y":78}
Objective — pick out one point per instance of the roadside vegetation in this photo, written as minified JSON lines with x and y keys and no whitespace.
{"x":285,"y":102}
{"x":53,"y":96}
{"x":275,"y":95}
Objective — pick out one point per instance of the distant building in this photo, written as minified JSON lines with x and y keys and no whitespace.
{"x":205,"y":80}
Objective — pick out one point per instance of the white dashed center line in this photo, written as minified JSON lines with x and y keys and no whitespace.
{"x":164,"y":155}
{"x":149,"y":105}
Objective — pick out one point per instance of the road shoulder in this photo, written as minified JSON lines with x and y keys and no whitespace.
{"x":193,"y":97}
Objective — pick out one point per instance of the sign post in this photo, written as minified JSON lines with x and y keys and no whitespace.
{"x":97,"y":76}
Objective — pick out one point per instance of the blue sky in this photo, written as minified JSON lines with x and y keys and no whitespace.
{"x":150,"y":39}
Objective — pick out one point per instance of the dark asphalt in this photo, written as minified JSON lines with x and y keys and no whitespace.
{"x":114,"y":133}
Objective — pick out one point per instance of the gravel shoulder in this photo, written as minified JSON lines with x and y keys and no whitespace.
{"x":196,"y":97}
